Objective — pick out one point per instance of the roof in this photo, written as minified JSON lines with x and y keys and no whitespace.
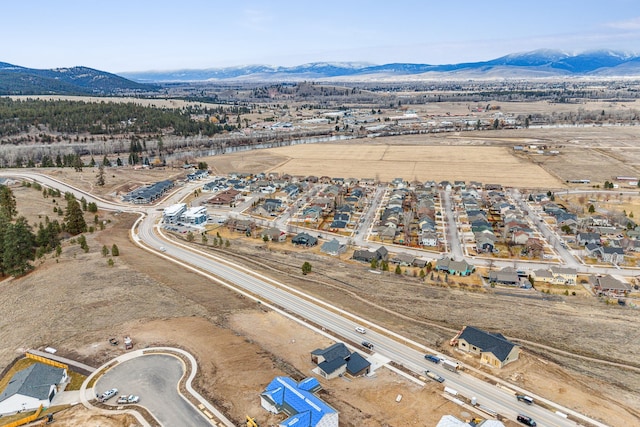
{"x":331,"y":365}
{"x":357,"y":363}
{"x":332,"y":247}
{"x":34,"y":381}
{"x":488,"y":342}
{"x":305,"y":408}
{"x":337,"y":350}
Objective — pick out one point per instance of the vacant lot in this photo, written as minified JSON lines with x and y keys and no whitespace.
{"x":595,"y":153}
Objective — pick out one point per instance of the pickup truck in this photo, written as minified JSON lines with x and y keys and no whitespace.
{"x":432,"y":358}
{"x":434,"y":376}
{"x":367,"y":344}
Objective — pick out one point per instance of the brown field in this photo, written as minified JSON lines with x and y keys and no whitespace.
{"x":595,"y":153}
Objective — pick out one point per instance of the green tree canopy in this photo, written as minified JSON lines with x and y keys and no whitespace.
{"x":74,"y":222}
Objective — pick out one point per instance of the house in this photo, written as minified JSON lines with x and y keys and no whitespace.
{"x":403,"y":259}
{"x":564,"y":275}
{"x":461,"y":268}
{"x":274,"y":234}
{"x":451,"y":421}
{"x":608,"y":285}
{"x":298,"y":401}
{"x":506,"y":276}
{"x":31,"y":387}
{"x":381,"y":254}
{"x":584,"y":239}
{"x":333,"y":247}
{"x":494,"y":349}
{"x":612,"y":255}
{"x":429,"y":239}
{"x":541,"y":275}
{"x":337,"y":360}
{"x":304,"y":239}
{"x":227,"y":197}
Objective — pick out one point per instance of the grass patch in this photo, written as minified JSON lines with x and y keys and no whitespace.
{"x":18,"y":366}
{"x":76,"y":381}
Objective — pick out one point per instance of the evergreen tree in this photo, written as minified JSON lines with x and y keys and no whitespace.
{"x":18,"y":248}
{"x":306,"y":268}
{"x":7,"y":202}
{"x":114,"y":250}
{"x":74,"y":222}
{"x":100,"y":181}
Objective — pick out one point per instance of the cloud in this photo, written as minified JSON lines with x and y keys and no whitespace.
{"x":629,"y":24}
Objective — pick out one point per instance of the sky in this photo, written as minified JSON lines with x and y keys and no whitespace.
{"x":141,"y":35}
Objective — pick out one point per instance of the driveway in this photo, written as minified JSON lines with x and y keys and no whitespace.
{"x":155,"y":379}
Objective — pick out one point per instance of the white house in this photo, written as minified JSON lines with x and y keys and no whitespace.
{"x":31,"y":387}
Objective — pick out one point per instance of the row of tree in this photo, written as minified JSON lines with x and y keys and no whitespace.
{"x":19,"y":244}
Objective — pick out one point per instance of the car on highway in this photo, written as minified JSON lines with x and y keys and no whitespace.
{"x":108,"y":394}
{"x":432,"y":358}
{"x":367,"y":344}
{"x":434,"y":376}
{"x":526,"y":420}
{"x":526,"y":399}
{"x":361,"y":330}
{"x":163,"y":249}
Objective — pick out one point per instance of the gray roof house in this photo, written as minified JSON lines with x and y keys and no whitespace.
{"x":31,"y":387}
{"x":494,"y":349}
{"x":336,"y":360}
{"x":333,"y":247}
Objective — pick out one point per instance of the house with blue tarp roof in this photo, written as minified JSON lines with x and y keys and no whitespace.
{"x":297,"y":400}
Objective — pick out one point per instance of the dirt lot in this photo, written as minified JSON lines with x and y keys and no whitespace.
{"x":240,"y":347}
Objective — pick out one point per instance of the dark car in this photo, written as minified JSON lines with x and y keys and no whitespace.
{"x":367,"y":344}
{"x":434,"y":359}
{"x":526,"y":420}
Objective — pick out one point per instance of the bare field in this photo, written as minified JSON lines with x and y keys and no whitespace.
{"x":595,"y":153}
{"x":386,"y":162}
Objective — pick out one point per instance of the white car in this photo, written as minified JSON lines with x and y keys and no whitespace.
{"x":133,"y":399}
{"x":108,"y":394}
{"x":361,"y":330}
{"x":123,"y":399}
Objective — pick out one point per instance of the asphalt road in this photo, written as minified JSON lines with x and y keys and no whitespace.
{"x":155,"y":379}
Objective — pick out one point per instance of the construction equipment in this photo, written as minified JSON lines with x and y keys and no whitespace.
{"x":251,"y":422}
{"x":128,"y":344}
{"x":454,"y":340}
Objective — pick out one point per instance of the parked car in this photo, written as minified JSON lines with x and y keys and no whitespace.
{"x":133,"y":399}
{"x":123,"y":399}
{"x":526,"y":420}
{"x":434,"y":359}
{"x":108,"y":394}
{"x":361,"y":330}
{"x":367,"y":344}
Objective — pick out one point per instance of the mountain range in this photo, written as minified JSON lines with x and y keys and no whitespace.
{"x":16,"y":80}
{"x":539,"y":63}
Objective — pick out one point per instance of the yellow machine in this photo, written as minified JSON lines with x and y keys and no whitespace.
{"x":251,"y":422}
